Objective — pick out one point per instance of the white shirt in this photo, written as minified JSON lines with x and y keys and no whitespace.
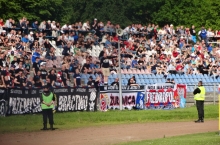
{"x":31,"y":38}
{"x":53,"y":26}
{"x":64,"y":27}
{"x":85,"y":26}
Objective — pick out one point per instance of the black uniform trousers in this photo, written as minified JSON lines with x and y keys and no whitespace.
{"x":48,"y":113}
{"x":200,"y":109}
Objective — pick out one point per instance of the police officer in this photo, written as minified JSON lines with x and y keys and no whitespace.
{"x":47,"y":105}
{"x":199,"y":96}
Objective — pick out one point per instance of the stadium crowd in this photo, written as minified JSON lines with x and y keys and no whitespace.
{"x":46,"y":53}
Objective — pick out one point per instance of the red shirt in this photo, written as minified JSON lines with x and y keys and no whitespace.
{"x":1,"y":23}
{"x":115,"y":39}
{"x":175,"y":54}
{"x":179,"y":67}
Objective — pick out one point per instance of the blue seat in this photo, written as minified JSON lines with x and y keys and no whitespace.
{"x":153,"y":76}
{"x":145,"y":76}
{"x":178,"y":76}
{"x":141,"y":76}
{"x":138,"y":81}
{"x":151,"y":81}
{"x":149,"y":76}
{"x":142,"y":81}
{"x":169,"y":76}
{"x":146,"y":81}
{"x":173,"y":76}
{"x":190,"y":76}
{"x":205,"y":75}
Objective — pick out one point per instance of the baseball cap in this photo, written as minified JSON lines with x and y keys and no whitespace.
{"x":91,"y":77}
{"x":95,"y":19}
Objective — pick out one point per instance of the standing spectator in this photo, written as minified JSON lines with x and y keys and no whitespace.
{"x":36,"y":65}
{"x":193,"y":33}
{"x":36,"y":55}
{"x":104,"y":65}
{"x":35,"y":25}
{"x":66,"y":49}
{"x":77,"y":78}
{"x":43,"y":73}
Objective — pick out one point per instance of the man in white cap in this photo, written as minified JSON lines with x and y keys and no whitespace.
{"x":30,"y":37}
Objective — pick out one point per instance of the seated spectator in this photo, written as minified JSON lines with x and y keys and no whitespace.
{"x":171,"y":68}
{"x":30,"y":82}
{"x":115,"y":83}
{"x":50,"y":54}
{"x":91,"y":82}
{"x":134,"y":62}
{"x":168,"y":81}
{"x":25,"y":39}
{"x":132,"y":82}
{"x":58,"y":82}
{"x":172,"y":81}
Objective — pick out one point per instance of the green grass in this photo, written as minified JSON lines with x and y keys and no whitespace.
{"x":210,"y":138}
{"x":69,"y":120}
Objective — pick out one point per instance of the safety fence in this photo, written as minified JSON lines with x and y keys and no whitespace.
{"x":25,"y":101}
{"x":156,"y":96}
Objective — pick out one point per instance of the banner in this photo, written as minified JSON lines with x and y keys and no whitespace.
{"x":23,"y":101}
{"x":165,"y":96}
{"x":3,"y":101}
{"x":180,"y":96}
{"x":76,"y":99}
{"x":111,"y":100}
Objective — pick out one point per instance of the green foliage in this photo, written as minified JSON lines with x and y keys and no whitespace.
{"x":70,"y":120}
{"x":124,"y":12}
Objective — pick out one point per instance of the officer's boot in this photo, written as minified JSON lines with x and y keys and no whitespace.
{"x":45,"y":127}
{"x":51,"y":127}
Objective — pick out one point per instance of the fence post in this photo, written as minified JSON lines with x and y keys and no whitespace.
{"x":193,"y":96}
{"x":214,"y":93}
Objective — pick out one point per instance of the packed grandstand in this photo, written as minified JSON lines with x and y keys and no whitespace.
{"x":86,"y":54}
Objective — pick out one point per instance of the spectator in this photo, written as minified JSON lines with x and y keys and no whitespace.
{"x":115,"y":83}
{"x":77,"y":78}
{"x":50,"y":54}
{"x":66,"y":49}
{"x":36,"y":65}
{"x":91,"y":82}
{"x":58,"y":82}
{"x":132,"y":82}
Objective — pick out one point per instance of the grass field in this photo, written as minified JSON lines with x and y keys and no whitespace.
{"x":69,"y":120}
{"x":211,"y":138}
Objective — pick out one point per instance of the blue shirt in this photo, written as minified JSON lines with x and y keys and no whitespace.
{"x":24,"y":40}
{"x":107,"y":43}
{"x":35,"y":54}
{"x":78,"y":79}
{"x":209,"y":48}
{"x":134,"y":62}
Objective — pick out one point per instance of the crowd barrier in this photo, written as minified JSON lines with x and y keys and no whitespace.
{"x":25,"y":101}
{"x":158,"y":96}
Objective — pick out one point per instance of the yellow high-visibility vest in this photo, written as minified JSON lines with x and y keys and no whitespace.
{"x":201,"y":95}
